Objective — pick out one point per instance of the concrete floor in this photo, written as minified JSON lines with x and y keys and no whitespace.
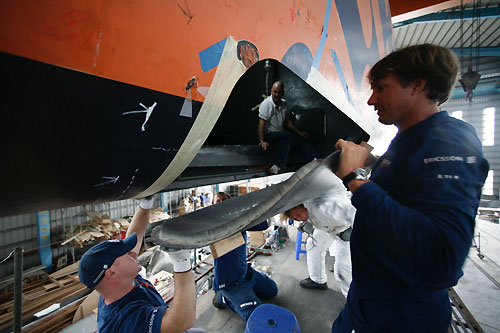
{"x":479,"y":288}
{"x":316,"y":310}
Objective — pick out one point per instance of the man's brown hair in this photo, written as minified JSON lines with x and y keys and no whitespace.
{"x":437,"y":65}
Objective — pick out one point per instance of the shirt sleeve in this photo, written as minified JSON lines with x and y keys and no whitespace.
{"x":259,"y":227}
{"x":265,"y":110}
{"x":333,"y":211}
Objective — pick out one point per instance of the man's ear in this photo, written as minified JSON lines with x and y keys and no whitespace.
{"x":419,"y":85}
{"x":110,"y":273}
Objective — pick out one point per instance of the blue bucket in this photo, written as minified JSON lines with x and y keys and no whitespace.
{"x":272,"y":318}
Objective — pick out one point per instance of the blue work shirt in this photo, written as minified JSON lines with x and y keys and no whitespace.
{"x":232,"y":267}
{"x":415,"y":222}
{"x":141,"y":310}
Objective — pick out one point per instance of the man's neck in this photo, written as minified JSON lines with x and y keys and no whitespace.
{"x":420,"y":112}
{"x":116,"y":291}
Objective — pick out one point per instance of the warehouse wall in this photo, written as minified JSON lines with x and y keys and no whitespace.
{"x":21,"y":230}
{"x":473,"y":114}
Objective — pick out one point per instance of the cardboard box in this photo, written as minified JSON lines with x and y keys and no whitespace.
{"x":226,"y":245}
{"x":257,"y":238}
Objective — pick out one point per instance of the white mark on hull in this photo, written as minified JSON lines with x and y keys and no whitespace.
{"x":147,"y":110}
{"x":110,"y":180}
{"x":132,"y":179}
{"x":165,"y":149}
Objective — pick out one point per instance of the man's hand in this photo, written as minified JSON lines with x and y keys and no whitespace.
{"x":352,"y":156}
{"x":306,"y":227}
{"x":303,"y":134}
{"x":181,"y":259}
{"x":146,"y":202}
{"x":264,"y":145}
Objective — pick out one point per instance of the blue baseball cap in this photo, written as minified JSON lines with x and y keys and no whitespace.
{"x":100,"y":257}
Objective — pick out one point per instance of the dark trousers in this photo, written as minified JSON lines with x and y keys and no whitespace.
{"x":283,"y":141}
{"x":404,"y":315}
{"x":244,"y":297}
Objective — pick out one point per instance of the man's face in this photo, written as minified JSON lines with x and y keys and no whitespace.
{"x":299,"y":213}
{"x":127,"y":265}
{"x":277,"y":92}
{"x":391,"y":101}
{"x":219,"y":198}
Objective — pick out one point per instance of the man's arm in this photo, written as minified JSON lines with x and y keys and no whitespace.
{"x":352,"y":156}
{"x":182,"y":314}
{"x":140,"y":221}
{"x":262,"y":143}
{"x":333,"y":209}
{"x":434,"y":226}
{"x":291,"y":125}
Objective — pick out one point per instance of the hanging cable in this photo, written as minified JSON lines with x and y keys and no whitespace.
{"x":461,"y":35}
{"x":7,"y":258}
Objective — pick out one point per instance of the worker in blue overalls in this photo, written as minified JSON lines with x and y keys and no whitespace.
{"x":236,"y":284}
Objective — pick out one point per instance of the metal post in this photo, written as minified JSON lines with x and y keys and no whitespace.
{"x":18,"y":289}
{"x":170,"y":204}
{"x":72,"y":215}
{"x":194,"y":209}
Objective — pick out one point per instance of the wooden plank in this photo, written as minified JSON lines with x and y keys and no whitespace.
{"x":65,"y":271}
{"x":55,"y":321}
{"x":226,"y":245}
{"x":72,"y":238}
{"x":58,"y":283}
{"x":29,"y":309}
{"x":5,"y":282}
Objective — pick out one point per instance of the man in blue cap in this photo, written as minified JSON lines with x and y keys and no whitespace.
{"x":128,"y":302}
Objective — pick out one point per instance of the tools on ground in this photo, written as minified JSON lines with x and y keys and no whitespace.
{"x":260,"y":250}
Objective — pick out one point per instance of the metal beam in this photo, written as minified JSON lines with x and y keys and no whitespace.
{"x":483,"y":51}
{"x":468,"y":14}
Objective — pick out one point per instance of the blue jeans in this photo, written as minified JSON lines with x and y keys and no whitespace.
{"x":283,"y":141}
{"x":244,"y":297}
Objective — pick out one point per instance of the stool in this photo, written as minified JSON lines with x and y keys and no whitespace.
{"x":298,"y":245}
{"x":270,"y":318}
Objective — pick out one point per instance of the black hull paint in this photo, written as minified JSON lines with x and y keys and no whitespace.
{"x":65,"y":140}
{"x":68,"y":140}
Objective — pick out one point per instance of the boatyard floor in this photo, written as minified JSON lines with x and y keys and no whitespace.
{"x":316,"y":310}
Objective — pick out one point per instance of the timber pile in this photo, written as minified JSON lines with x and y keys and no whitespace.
{"x":103,"y":228}
{"x":99,"y":227}
{"x":158,"y":215}
{"x":55,"y":321}
{"x":40,"y":294}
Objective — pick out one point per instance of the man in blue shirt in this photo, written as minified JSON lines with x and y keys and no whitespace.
{"x":236,"y":284}
{"x":416,"y":214}
{"x":128,"y":302}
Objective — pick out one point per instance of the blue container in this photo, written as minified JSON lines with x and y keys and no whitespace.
{"x":272,"y":318}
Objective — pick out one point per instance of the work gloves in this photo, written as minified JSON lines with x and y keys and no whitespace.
{"x":306,"y":227}
{"x":181,"y":259}
{"x":146,"y":202}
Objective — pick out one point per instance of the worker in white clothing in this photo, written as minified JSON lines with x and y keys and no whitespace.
{"x":332,"y":215}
